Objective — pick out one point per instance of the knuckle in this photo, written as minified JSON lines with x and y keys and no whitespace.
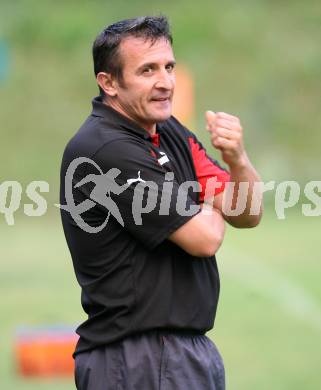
{"x":216,"y":144}
{"x":237,"y":136}
{"x":217,"y":141}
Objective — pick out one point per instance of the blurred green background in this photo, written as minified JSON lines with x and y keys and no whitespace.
{"x":259,"y":60}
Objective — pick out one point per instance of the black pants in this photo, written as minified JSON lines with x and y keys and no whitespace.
{"x":152,"y":361}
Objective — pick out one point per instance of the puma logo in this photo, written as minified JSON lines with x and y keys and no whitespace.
{"x":131,"y":181}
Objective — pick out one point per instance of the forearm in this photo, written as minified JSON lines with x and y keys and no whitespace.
{"x":216,"y":223}
{"x":245,"y":197}
{"x":202,"y":235}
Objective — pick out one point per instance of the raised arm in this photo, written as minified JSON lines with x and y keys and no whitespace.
{"x":227,"y":136}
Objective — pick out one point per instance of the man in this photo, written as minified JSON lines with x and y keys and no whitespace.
{"x":147,"y":270}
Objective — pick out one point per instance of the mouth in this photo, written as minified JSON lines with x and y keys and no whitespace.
{"x":161,"y":99}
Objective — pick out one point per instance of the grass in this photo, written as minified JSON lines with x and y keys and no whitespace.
{"x":269,"y":318}
{"x":268,"y":322}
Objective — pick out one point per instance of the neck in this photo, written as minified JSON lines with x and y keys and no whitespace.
{"x":150,"y":128}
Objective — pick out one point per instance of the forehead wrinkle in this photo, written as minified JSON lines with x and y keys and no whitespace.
{"x":131,"y":45}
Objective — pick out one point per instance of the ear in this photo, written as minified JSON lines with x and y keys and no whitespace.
{"x":107,"y":83}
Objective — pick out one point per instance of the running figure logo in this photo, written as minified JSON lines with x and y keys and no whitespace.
{"x":105,"y":185}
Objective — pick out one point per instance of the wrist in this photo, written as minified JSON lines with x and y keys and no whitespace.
{"x":241,"y":163}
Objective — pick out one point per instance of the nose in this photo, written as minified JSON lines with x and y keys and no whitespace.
{"x":165,"y":80}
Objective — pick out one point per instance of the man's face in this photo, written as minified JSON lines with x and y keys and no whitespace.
{"x":146,"y":93}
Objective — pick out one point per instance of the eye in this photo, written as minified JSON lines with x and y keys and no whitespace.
{"x":170,"y":67}
{"x":147,"y":70}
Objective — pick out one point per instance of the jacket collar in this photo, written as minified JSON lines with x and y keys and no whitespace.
{"x":100,"y":109}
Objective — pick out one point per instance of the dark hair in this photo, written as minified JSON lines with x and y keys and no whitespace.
{"x":105,"y":48}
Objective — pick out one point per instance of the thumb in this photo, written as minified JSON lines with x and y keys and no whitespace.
{"x":210,"y":118}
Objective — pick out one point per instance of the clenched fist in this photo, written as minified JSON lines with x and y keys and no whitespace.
{"x":227,"y":136}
